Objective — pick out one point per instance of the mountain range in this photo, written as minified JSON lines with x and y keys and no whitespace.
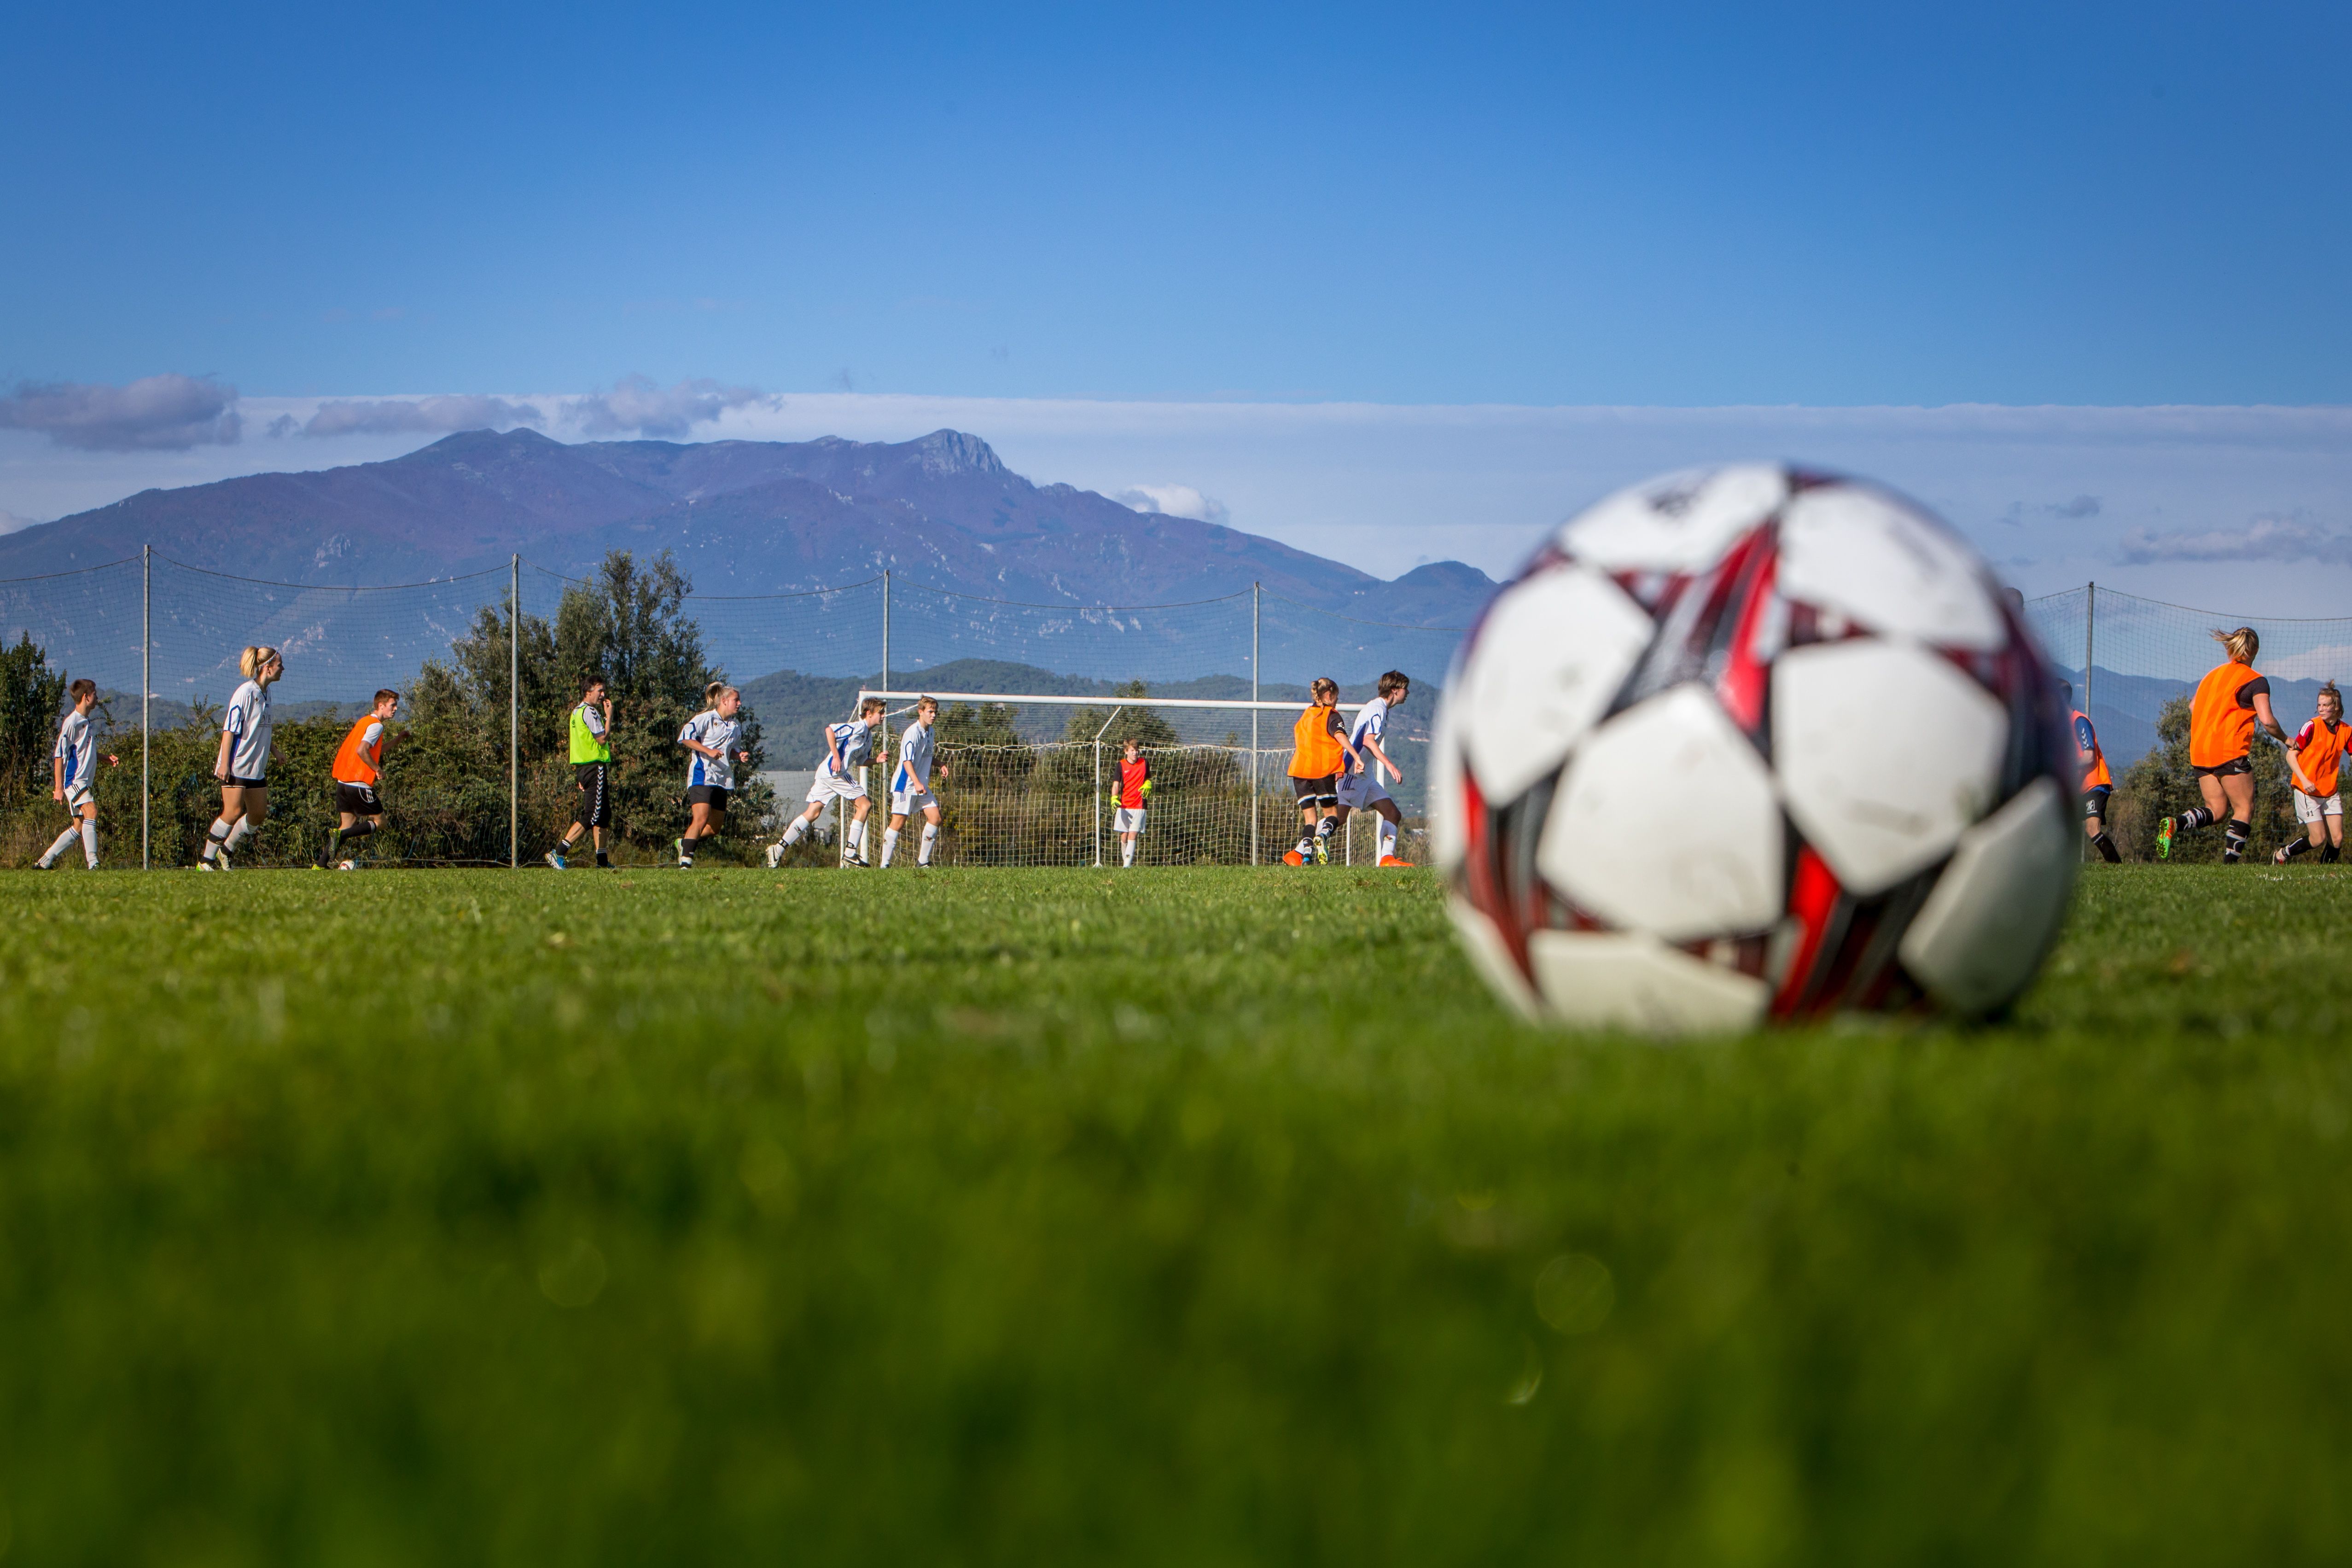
{"x":742,"y":517}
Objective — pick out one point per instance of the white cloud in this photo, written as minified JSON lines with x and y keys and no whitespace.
{"x":2264,"y":539}
{"x":2332,"y":661}
{"x":153,"y":414}
{"x":637,"y":407}
{"x":1174,"y":500}
{"x":432,"y":416}
{"x":10,"y":522}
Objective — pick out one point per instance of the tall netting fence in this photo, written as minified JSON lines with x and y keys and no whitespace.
{"x":487,"y":665}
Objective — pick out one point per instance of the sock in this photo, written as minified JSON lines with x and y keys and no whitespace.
{"x":795,"y":830}
{"x":601,"y":861}
{"x":686,"y":849}
{"x":2194,"y":818}
{"x":857,"y":837}
{"x":2297,"y":847}
{"x":2332,"y":854}
{"x":2234,"y":837}
{"x":889,"y":846}
{"x":240,"y":833}
{"x":359,"y":829}
{"x":334,"y":844}
{"x":1386,"y":832}
{"x":930,"y":837}
{"x":89,"y":843}
{"x":1327,"y":827}
{"x":67,"y":836}
{"x":214,"y":837}
{"x":1125,"y":851}
{"x":2107,"y":849}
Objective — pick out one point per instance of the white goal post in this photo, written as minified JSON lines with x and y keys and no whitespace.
{"x":1019,"y":803}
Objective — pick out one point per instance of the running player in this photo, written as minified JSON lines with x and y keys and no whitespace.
{"x":910,"y":786}
{"x":847,"y":748}
{"x":1318,"y":750}
{"x":2097,"y":783}
{"x":73,"y":775}
{"x":1129,"y":797}
{"x":2231,"y":701}
{"x":358,"y":762}
{"x":2318,"y":751}
{"x":243,"y":765}
{"x":716,"y":739}
{"x":592,"y":765}
{"x":1359,"y":787}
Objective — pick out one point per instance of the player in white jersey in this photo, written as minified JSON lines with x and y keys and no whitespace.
{"x":847,"y":749}
{"x":1360,"y":788}
{"x":910,"y":785}
{"x":243,"y":765}
{"x":714,"y":737}
{"x":73,"y":771}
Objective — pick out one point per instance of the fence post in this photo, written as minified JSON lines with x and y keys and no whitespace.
{"x":2090,"y":628}
{"x":146,"y":685}
{"x":884,"y":758}
{"x":1257,"y":591}
{"x":514,"y":715}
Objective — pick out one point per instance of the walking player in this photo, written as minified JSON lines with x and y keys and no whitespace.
{"x":2318,"y":751}
{"x":847,"y":748}
{"x":73,"y":775}
{"x":1130,"y":798}
{"x":2098,"y":784}
{"x":242,"y":763}
{"x":359,"y":762}
{"x":592,"y":765}
{"x":910,"y":786}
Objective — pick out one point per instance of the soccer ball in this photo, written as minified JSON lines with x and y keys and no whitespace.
{"x":1752,"y":743}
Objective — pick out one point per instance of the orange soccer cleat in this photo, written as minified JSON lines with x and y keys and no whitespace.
{"x":1293,"y":857}
{"x":1392,"y":860}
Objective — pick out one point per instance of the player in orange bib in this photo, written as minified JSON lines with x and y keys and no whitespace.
{"x":2231,"y":700}
{"x":1318,"y":745}
{"x":359,"y":762}
{"x":2098,"y":782}
{"x":2318,"y":751}
{"x":1130,"y":798}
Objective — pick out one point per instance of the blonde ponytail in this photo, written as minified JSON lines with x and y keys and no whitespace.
{"x":710,"y":692}
{"x":2243,"y":644}
{"x":251,"y":661}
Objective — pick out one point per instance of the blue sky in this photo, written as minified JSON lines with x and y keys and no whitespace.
{"x":1609,"y":204}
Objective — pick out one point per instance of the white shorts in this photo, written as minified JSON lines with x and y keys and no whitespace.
{"x":76,"y":798}
{"x":830,"y":787}
{"x":2310,"y":808}
{"x":906,"y":803}
{"x":1359,"y":791}
{"x":1127,"y":819}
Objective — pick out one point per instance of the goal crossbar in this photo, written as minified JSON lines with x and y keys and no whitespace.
{"x":1023,"y":699}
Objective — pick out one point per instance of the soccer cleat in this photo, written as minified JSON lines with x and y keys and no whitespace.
{"x":776,"y":853}
{"x":678,"y":845}
{"x":2278,"y":856}
{"x":1293,"y":857}
{"x":2164,"y":839}
{"x":1322,"y":849}
{"x":1392,"y":860}
{"x":856,"y":857}
{"x":2231,"y":857}
{"x":555,"y":859}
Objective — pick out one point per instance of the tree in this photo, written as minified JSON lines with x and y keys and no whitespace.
{"x":31,"y":699}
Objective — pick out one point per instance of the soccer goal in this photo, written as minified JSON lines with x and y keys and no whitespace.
{"x":1027,"y":777}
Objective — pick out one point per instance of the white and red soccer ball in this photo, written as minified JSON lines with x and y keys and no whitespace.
{"x":1753,"y":743}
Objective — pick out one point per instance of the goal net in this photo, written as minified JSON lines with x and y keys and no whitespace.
{"x":1029,"y":779}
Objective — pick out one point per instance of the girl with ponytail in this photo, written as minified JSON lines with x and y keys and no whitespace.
{"x":243,"y":765}
{"x":2231,"y":700}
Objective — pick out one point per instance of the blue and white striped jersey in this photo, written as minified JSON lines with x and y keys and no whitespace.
{"x":247,"y":721}
{"x":914,"y":772}
{"x":78,"y":745}
{"x":723,"y":735}
{"x":1372,"y":720}
{"x":856,"y":739}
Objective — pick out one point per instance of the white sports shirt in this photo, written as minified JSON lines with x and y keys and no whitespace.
{"x":1372,"y":721}
{"x":724,"y":736}
{"x":856,"y":739}
{"x":248,"y":721}
{"x":914,"y":775}
{"x":77,"y":745}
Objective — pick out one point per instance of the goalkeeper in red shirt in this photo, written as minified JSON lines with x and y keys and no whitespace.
{"x":1128,"y":796}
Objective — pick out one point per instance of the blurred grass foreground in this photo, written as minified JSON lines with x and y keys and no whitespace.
{"x":1169,"y":1217}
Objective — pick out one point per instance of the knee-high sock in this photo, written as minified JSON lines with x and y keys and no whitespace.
{"x":795,"y":829}
{"x":2297,"y":847}
{"x":1125,"y":851}
{"x":858,"y":836}
{"x":216,"y":836}
{"x":2234,"y":837}
{"x":240,"y":833}
{"x":65,"y":838}
{"x":89,"y":843}
{"x":2196,"y":816}
{"x":686,"y":849}
{"x":930,"y":837}
{"x":2332,"y":854}
{"x":1388,"y":838}
{"x":2107,"y":849}
{"x":890,"y":845}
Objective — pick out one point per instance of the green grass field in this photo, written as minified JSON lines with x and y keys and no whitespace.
{"x":1166,"y":1217}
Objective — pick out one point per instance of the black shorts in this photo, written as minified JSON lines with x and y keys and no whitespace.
{"x":1324,"y":791}
{"x":233,"y":782}
{"x":2094,"y":800}
{"x":359,"y":800}
{"x":712,"y":795}
{"x":595,"y":809}
{"x":2225,"y":770}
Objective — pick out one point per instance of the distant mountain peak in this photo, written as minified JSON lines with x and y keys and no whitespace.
{"x":954,"y":452}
